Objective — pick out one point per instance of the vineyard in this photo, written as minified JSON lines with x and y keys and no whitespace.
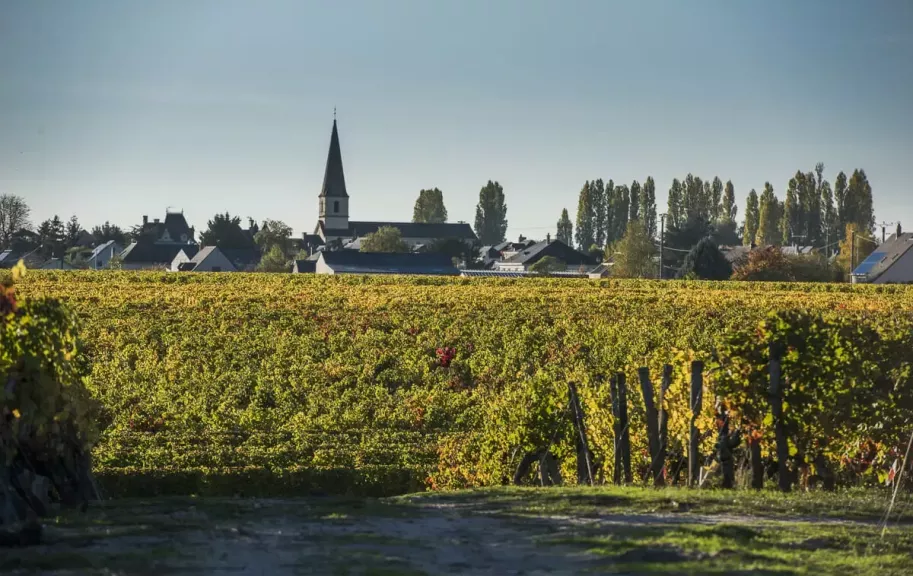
{"x":235,"y":382}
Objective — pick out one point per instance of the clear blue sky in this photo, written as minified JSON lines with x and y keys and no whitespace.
{"x":111,"y":109}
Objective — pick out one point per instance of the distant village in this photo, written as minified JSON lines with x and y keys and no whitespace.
{"x":337,"y":246}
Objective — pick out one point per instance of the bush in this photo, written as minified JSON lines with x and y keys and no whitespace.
{"x":706,"y":262}
{"x":46,"y":414}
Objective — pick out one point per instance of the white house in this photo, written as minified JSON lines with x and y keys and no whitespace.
{"x":208,"y":259}
{"x":102,"y":254}
{"x":890,"y":263}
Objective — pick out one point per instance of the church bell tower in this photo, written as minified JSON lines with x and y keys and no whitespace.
{"x":334,"y":200}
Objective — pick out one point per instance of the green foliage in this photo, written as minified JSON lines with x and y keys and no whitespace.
{"x":648,"y":207}
{"x":752,"y":219}
{"x":547,"y":265}
{"x":633,"y":254}
{"x":385,"y":239}
{"x":855,"y":247}
{"x":273,"y":233}
{"x":770,"y":264}
{"x":770,"y":214}
{"x":585,"y":230}
{"x":203,"y":375}
{"x":108,"y":231}
{"x":224,"y":231}
{"x":706,"y":262}
{"x":47,"y":416}
{"x":274,"y":261}
{"x":565,"y":229}
{"x":491,"y":215}
{"x":429,"y":207}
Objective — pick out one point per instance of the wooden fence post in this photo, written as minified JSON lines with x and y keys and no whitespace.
{"x":664,"y":416}
{"x":776,"y":406}
{"x":625,"y":427}
{"x":697,"y":398}
{"x":656,"y":463}
{"x":584,"y":462}
{"x":616,"y":432}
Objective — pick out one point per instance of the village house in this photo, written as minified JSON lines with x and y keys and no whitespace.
{"x":890,"y":263}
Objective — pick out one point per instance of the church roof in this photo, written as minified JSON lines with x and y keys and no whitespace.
{"x":334,"y":180}
{"x":355,"y":262}
{"x":459,"y":230}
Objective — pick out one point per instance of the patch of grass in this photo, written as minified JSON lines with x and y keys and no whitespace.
{"x":859,"y":505}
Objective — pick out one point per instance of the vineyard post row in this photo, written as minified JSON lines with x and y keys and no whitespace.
{"x":657,"y":433}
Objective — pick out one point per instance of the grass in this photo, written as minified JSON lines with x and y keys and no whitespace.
{"x":566,"y":530}
{"x":866,"y":505}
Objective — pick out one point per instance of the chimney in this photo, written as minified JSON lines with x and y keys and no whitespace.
{"x":156,"y":221}
{"x":899,"y":230}
{"x":548,"y":238}
{"x":145,"y":220}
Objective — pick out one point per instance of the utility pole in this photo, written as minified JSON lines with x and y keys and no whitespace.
{"x":827,"y":243}
{"x":662,"y":242}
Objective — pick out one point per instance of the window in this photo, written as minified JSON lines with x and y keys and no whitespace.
{"x":336,"y":207}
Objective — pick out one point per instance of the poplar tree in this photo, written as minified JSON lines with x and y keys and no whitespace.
{"x":752,"y":217}
{"x":584,"y":233}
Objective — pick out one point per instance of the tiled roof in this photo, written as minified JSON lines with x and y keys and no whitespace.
{"x":148,"y":252}
{"x":304,"y":266}
{"x":243,"y":258}
{"x":459,"y":230}
{"x":352,"y":262}
{"x":554,"y":248}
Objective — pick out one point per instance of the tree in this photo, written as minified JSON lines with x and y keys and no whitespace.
{"x":14,"y":215}
{"x":491,"y":214}
{"x":648,"y":207}
{"x":621,"y":211}
{"x":461,"y":252}
{"x":768,"y":218}
{"x":633,"y":254}
{"x":707,"y":262}
{"x":273,"y":233}
{"x":585,"y":235}
{"x":598,"y":200}
{"x":849,"y":258}
{"x":716,"y":200}
{"x":610,"y":203}
{"x":729,"y":209}
{"x":274,"y":260}
{"x":828,"y":214}
{"x":565,"y":229}
{"x":73,"y":232}
{"x":51,"y":235}
{"x":548,"y":265}
{"x":224,"y":231}
{"x":634,"y":201}
{"x":810,"y":202}
{"x":857,"y":203}
{"x":752,"y":216}
{"x":840,"y":200}
{"x":385,"y":239}
{"x":683,"y":238}
{"x":429,"y":207}
{"x":790,"y":224}
{"x":767,"y":264}
{"x":107,"y":232}
{"x":675,"y":206}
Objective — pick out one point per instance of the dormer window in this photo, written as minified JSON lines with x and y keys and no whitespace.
{"x":336,"y":207}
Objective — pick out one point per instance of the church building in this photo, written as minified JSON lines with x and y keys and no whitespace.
{"x":334,"y":225}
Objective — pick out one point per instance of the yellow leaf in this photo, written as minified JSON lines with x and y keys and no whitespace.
{"x":16,"y":413}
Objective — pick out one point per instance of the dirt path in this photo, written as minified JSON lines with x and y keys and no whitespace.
{"x":332,"y":536}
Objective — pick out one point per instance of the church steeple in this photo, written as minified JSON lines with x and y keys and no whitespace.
{"x":334,"y":180}
{"x":333,"y":198}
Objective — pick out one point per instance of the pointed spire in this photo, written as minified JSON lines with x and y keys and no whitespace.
{"x":334,"y":181}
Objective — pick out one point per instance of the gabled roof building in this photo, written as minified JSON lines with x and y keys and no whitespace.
{"x":890,"y":263}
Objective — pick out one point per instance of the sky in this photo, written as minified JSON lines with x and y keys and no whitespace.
{"x":115,"y":109}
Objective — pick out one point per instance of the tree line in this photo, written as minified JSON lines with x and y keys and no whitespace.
{"x":813,"y":213}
